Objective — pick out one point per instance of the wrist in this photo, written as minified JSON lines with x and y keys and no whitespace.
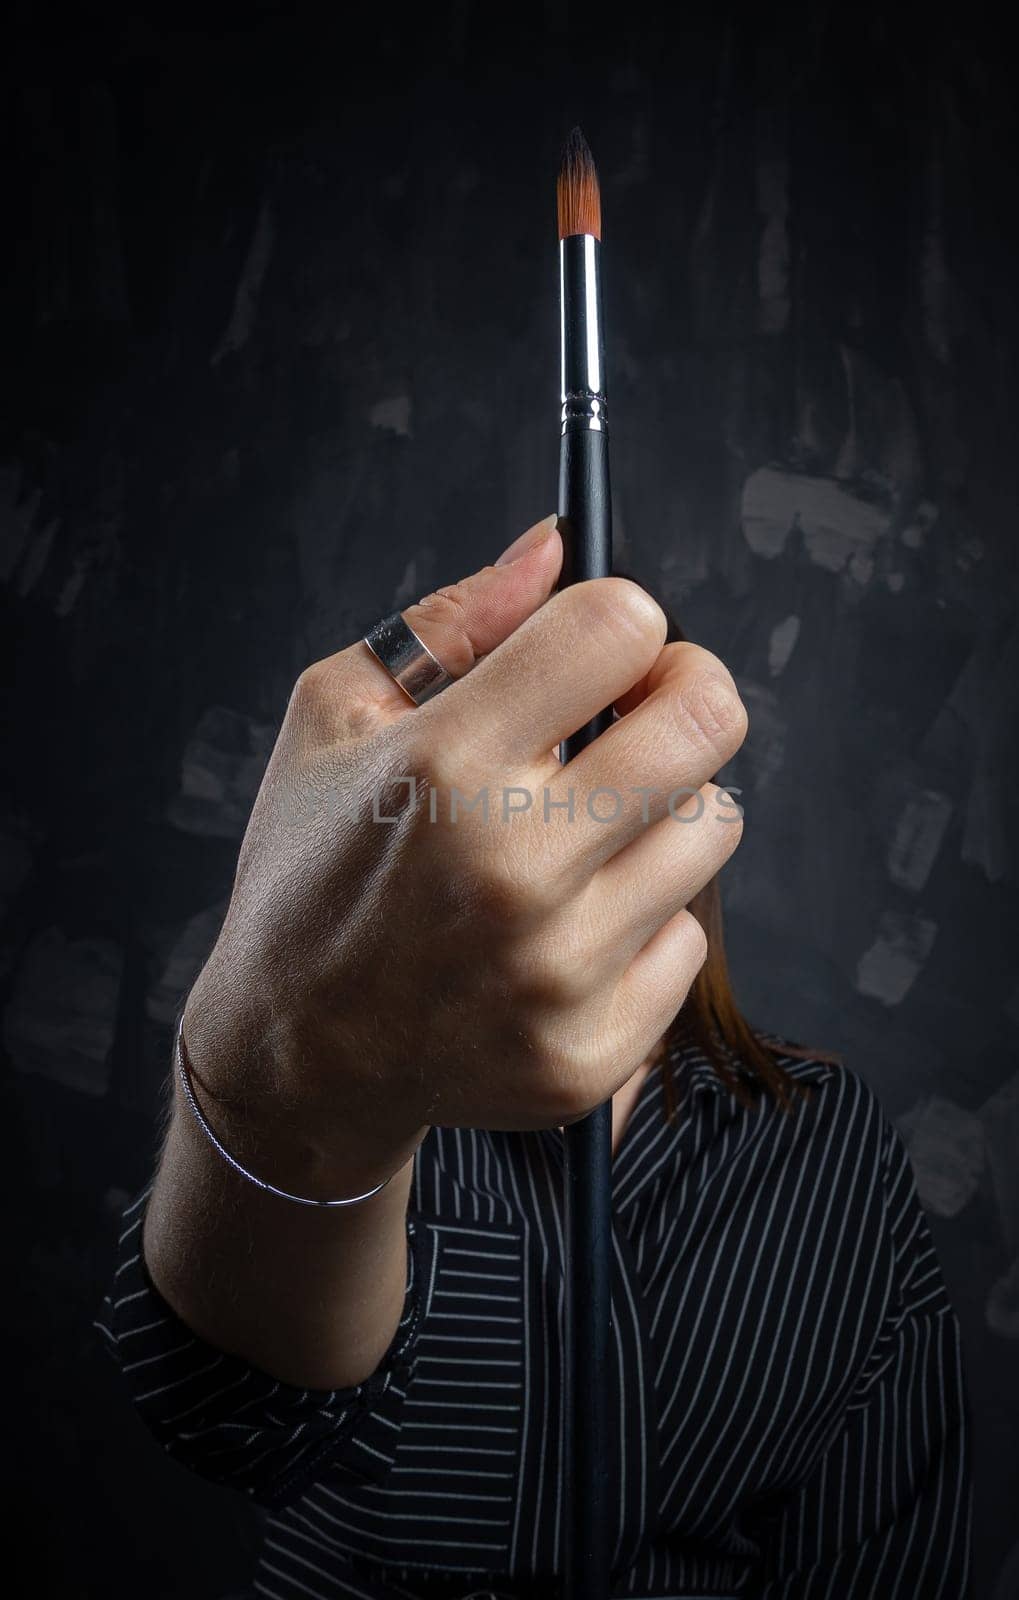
{"x":242,"y":1078}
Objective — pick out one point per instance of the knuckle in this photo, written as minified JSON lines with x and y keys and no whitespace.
{"x":565,"y":1058}
{"x":734,"y":832}
{"x":621,"y":608}
{"x":435,"y":763}
{"x":400,"y":774}
{"x":708,"y":708}
{"x":440,"y":769}
{"x":451,"y":602}
{"x":310,"y":687}
{"x":313,"y":701}
{"x":566,"y":1084}
{"x":443,"y":620}
{"x":577,"y":1104}
{"x":728,"y":818}
{"x":698,"y":941}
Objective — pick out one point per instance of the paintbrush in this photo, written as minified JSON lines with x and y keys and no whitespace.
{"x":585,"y":522}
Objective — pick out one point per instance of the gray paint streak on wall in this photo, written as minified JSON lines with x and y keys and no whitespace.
{"x":881,"y":449}
{"x":984,"y":701}
{"x":782,"y":644}
{"x":764,"y":747}
{"x":772,"y":178}
{"x":919,"y":832}
{"x":890,"y":967}
{"x":409,"y":590}
{"x":245,"y":306}
{"x":836,"y":525}
{"x":946,"y":1147}
{"x":393,"y":413}
{"x":180,"y":965}
{"x":61,"y":1016}
{"x":221,"y":769}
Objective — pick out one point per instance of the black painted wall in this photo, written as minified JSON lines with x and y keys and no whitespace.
{"x":280,"y":354}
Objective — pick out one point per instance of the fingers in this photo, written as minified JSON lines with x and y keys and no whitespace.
{"x":578,"y":654}
{"x":463,"y":621}
{"x":458,"y":623}
{"x":644,"y":767}
{"x":589,"y":941}
{"x":637,"y":1011}
{"x":650,"y":881}
{"x":658,"y":981}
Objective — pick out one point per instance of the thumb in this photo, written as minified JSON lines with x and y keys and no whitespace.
{"x":463,"y":621}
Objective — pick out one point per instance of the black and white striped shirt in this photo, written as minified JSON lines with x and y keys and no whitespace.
{"x":787,"y":1384}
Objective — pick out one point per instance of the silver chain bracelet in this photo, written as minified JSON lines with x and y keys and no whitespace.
{"x":184,"y":1070}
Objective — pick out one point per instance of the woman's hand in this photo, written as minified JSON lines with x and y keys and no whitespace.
{"x":425,"y":928}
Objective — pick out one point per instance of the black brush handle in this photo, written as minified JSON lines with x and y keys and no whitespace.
{"x":585,"y":512}
{"x":585,"y":522}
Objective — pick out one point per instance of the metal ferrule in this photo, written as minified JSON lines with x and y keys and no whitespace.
{"x":582,"y":344}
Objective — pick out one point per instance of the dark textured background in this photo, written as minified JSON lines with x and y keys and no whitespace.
{"x":280,"y":349}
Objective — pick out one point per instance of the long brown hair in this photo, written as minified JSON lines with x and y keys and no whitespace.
{"x":747,"y":1060}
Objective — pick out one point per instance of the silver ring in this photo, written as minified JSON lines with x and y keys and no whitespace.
{"x":406,"y":659}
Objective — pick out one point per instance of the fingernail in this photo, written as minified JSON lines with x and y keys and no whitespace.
{"x":527,"y":541}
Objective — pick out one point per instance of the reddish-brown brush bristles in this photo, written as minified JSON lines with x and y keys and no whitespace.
{"x":578,"y":197}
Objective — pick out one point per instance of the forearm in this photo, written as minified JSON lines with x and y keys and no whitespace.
{"x":313,"y":1297}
